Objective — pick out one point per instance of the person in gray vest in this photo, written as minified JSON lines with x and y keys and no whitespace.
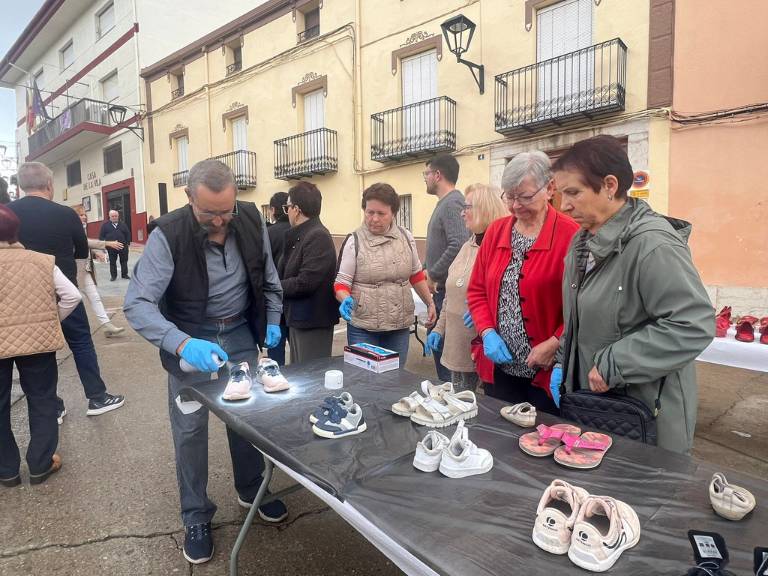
{"x":206,"y":284}
{"x":446,"y":233}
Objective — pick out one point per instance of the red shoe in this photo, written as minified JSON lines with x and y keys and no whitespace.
{"x":764,"y":330}
{"x":723,"y":322}
{"x":725,"y":313}
{"x":745,"y":329}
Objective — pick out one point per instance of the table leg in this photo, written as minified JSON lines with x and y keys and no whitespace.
{"x":415,"y":332}
{"x":268,"y":469}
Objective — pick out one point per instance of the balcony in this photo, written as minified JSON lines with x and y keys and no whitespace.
{"x":180,"y":179}
{"x":243,"y":165}
{"x":178,"y":93}
{"x":78,"y":126}
{"x":308,"y":154}
{"x":309,"y":33}
{"x":235,"y":67}
{"x":571,"y":88}
{"x":412,"y":131}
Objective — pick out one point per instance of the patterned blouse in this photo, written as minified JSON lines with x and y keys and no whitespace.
{"x":510,"y":314}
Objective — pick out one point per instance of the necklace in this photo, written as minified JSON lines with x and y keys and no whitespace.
{"x":460,"y":280}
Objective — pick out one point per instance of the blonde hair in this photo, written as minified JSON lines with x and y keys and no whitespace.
{"x":487,"y":205}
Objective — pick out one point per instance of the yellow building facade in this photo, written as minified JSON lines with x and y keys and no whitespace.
{"x":351,"y":92}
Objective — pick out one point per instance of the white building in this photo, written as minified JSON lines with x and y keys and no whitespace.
{"x":85,"y":57}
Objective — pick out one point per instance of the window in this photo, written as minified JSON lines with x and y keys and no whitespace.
{"x":105,"y":20}
{"x":38,"y":78}
{"x":311,"y":25}
{"x":67,"y":55}
{"x":113,"y":158}
{"x":421,"y":113}
{"x":182,"y":153}
{"x":74,"y":176}
{"x":109,"y":91}
{"x":234,"y":58}
{"x":162,"y":191}
{"x":403,"y":217}
{"x":177,"y":85}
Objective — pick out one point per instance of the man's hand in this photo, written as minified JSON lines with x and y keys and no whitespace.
{"x":199,"y":353}
{"x":114,"y":244}
{"x":542,"y":356}
{"x":273,"y":336}
{"x":596,"y":382}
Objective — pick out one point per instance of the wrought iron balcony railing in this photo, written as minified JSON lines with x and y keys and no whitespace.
{"x":178,"y":93}
{"x":85,"y":110}
{"x":580,"y":85}
{"x":243,"y":164}
{"x":306,"y":154}
{"x":234,"y":67}
{"x":414,"y":130}
{"x":180,"y":178}
{"x":311,"y":32}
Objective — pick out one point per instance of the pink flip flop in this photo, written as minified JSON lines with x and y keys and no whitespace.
{"x":583,"y":452}
{"x":546,"y":439}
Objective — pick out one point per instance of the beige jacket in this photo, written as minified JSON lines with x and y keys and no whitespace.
{"x":381,"y":286}
{"x":29,"y":316}
{"x":85,"y":265}
{"x":450,"y":325}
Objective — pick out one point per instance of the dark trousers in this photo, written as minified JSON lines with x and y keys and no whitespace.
{"x":278,"y":352}
{"x":515,"y":390}
{"x":443,"y":374}
{"x":38,"y":374}
{"x":113,"y":255}
{"x":189,"y":427}
{"x":77,"y":333}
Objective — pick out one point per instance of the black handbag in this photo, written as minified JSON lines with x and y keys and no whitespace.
{"x":615,"y":414}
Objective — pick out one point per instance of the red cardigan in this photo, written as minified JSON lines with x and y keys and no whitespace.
{"x":540,"y":283}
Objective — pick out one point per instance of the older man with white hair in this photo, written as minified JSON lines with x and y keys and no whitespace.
{"x":116,"y":230}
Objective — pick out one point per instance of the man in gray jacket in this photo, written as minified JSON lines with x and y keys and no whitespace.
{"x":206,"y":284}
{"x":446,"y":233}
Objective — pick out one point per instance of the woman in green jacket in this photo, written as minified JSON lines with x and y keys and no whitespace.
{"x":635,"y":309}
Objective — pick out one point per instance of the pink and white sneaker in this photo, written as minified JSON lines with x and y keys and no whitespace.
{"x":555,"y":516}
{"x":268,"y":375}
{"x":239,"y":385}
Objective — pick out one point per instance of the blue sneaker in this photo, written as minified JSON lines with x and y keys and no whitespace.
{"x":274,"y":511}
{"x":198,"y":543}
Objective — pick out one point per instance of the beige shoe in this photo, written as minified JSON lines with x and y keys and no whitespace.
{"x":524,"y":414}
{"x":111,"y":330}
{"x":730,"y":501}
{"x":555,"y":516}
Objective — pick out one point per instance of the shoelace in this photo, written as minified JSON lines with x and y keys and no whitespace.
{"x":708,"y":569}
{"x":197,"y":531}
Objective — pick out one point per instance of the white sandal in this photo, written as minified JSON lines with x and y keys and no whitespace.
{"x":523,"y":414}
{"x":450,"y":409}
{"x":408,"y":404}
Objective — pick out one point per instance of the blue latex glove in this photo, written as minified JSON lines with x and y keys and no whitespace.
{"x":273,"y":336}
{"x":347,"y":305}
{"x":495,"y":349}
{"x":198,"y":353}
{"x":468,"y":320}
{"x":555,"y":381}
{"x":434,"y":343}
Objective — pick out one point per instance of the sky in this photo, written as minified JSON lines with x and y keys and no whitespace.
{"x":16,"y":16}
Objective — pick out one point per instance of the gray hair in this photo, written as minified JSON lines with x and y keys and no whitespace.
{"x":213,"y":174}
{"x":535,"y":164}
{"x":34,"y":176}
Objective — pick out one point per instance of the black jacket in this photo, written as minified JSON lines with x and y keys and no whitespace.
{"x":121,"y":233}
{"x":186,"y":298}
{"x":307,"y":271}
{"x":276,"y":234}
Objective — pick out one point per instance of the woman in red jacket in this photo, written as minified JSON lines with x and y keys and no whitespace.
{"x":515,"y":292}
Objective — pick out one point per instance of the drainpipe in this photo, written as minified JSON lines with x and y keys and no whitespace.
{"x":141,"y":104}
{"x":358,"y":98}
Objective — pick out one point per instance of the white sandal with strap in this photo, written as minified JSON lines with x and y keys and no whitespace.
{"x":450,"y":409}
{"x":408,"y":404}
{"x":523,"y":414}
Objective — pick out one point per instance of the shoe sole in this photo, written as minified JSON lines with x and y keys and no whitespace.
{"x":199,"y":560}
{"x":464,"y":472}
{"x":426,"y":466}
{"x":536,"y":537}
{"x":444,"y":423}
{"x":326,"y":434}
{"x":235,"y":397}
{"x":105,"y":409}
{"x":270,"y":519}
{"x":600,"y":566}
{"x":10,"y":482}
{"x":35,"y":479}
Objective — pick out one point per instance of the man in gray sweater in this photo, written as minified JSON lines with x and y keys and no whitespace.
{"x":446,"y":232}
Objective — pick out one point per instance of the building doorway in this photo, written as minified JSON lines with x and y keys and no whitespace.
{"x":120,"y":200}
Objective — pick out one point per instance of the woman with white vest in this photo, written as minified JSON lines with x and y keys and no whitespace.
{"x":30,"y":334}
{"x":377,"y":267}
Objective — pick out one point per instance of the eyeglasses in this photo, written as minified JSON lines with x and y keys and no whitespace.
{"x":286,"y":207}
{"x":209,"y":215}
{"x":466,"y":206}
{"x":523,"y":200}
{"x":427,"y":173}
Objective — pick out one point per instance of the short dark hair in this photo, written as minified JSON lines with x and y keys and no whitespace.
{"x":9,"y":225}
{"x":278,"y":200}
{"x":384,"y":193}
{"x":447,"y":165}
{"x":307,"y":197}
{"x":595,"y":158}
{"x":5,"y":198}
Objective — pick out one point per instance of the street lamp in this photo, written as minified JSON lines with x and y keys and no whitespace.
{"x":458,"y":32}
{"x":117,"y":115}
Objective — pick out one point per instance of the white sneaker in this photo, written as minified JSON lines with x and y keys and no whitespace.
{"x":429,"y":451}
{"x":239,"y":385}
{"x":461,"y":458}
{"x":730,"y":501}
{"x":555,"y":516}
{"x":341,"y":422}
{"x":604,"y":528}
{"x":268,"y":375}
